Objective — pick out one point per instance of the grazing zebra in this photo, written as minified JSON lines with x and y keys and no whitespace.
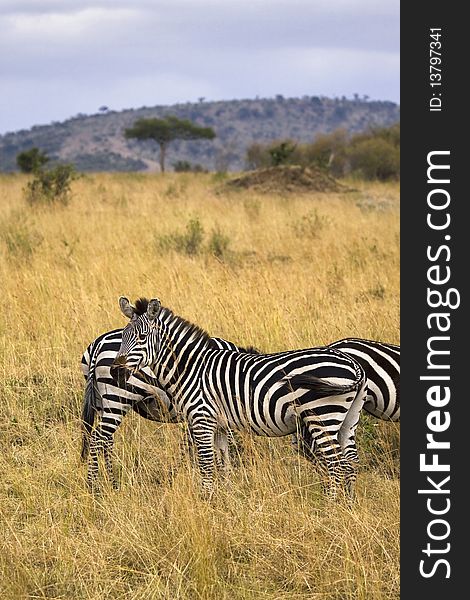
{"x":381,"y":363}
{"x":105,"y":395}
{"x":263,"y":393}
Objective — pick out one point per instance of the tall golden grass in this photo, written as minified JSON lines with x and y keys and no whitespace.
{"x":292,"y":272}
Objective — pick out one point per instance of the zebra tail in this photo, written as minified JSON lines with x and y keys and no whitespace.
{"x":88,"y":413}
{"x":320,"y":387}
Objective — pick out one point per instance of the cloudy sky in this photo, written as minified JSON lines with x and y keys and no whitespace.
{"x":63,"y":57}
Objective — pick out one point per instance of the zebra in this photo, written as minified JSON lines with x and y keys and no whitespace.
{"x":266,"y":394}
{"x":106,"y":396}
{"x":381,"y":363}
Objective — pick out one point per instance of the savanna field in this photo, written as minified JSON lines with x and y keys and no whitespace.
{"x":273,"y":271}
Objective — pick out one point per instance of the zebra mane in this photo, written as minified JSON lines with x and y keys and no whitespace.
{"x":249,"y":350}
{"x":141,"y":305}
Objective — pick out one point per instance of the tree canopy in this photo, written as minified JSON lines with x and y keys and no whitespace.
{"x":164,"y":131}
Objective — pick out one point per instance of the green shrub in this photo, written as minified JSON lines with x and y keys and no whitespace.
{"x":219,"y":244}
{"x":192,"y":241}
{"x":257,"y":156}
{"x":51,"y":186}
{"x":31,"y":160}
{"x":327,"y":151}
{"x":189,"y":243}
{"x":281,"y":153}
{"x":373,"y":154}
{"x":260,"y":156}
{"x":184,"y":166}
{"x":374,"y":158}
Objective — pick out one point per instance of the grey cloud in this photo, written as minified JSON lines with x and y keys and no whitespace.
{"x":159,"y":50}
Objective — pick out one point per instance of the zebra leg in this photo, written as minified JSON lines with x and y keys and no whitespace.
{"x":235,"y":449}
{"x":302,"y":443}
{"x":324,"y":445}
{"x":203,"y":433}
{"x":186,"y":446}
{"x":222,"y":456}
{"x":333,"y":462}
{"x":351,"y":460}
{"x":95,"y":448}
{"x":108,"y":443}
{"x":102,"y":439}
{"x":100,"y":442}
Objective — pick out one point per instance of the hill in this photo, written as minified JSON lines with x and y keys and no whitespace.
{"x":96,"y":142}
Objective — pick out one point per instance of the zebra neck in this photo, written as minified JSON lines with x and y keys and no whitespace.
{"x":182,"y":347}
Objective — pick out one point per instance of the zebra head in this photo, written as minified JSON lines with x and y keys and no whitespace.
{"x":140,"y":338}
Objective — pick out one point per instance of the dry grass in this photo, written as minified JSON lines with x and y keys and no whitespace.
{"x":292,"y":272}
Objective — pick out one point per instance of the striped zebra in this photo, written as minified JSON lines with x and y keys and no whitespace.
{"x":105,"y":396}
{"x":381,"y":363}
{"x":267,"y":394}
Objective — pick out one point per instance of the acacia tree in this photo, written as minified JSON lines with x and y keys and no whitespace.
{"x":164,"y":131}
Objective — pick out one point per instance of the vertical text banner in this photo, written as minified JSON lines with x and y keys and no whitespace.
{"x":435,"y":329}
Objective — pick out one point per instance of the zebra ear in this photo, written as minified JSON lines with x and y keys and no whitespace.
{"x":126,"y":307}
{"x":153,"y":308}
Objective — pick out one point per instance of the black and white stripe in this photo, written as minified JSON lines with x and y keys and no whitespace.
{"x":108,"y":399}
{"x":268,"y":394}
{"x":381,"y":363}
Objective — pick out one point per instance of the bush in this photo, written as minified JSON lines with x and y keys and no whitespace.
{"x":389,"y":134}
{"x":184,"y":166}
{"x":257,"y":157}
{"x":327,"y":151}
{"x":189,"y":243}
{"x":374,"y":158}
{"x":281,"y":153}
{"x":260,"y":156}
{"x":219,"y":244}
{"x":51,"y":186}
{"x":192,"y":239}
{"x":32,"y":160}
{"x":373,"y":154}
